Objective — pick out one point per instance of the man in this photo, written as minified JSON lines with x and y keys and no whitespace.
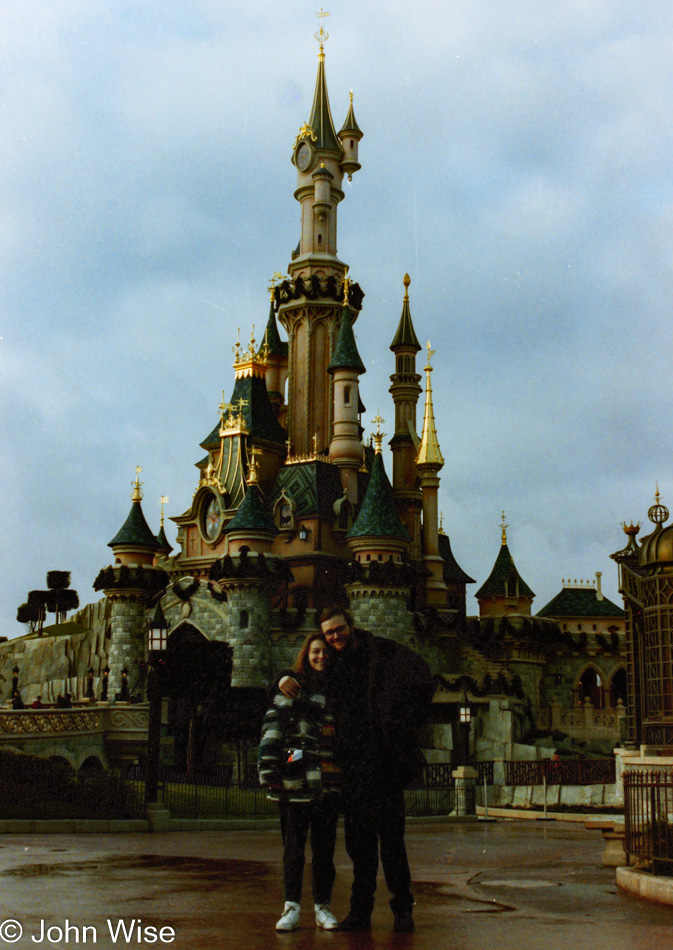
{"x":380,"y":692}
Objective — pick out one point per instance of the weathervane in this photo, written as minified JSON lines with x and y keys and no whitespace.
{"x":378,"y":435}
{"x":431,"y":353}
{"x":321,"y":35}
{"x":137,"y":485}
{"x":504,"y":529}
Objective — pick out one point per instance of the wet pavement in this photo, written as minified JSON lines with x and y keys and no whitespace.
{"x":510,"y":885}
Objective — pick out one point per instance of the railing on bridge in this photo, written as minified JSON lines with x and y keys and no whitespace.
{"x":648,"y":817}
{"x":562,"y":772}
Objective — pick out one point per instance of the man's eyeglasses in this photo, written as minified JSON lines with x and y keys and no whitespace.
{"x":336,"y":631}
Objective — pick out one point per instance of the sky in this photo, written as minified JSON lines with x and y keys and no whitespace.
{"x":516,"y":162}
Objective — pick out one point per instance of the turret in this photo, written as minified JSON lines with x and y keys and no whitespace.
{"x":345,"y":367}
{"x":164,"y":548}
{"x":252,"y":526}
{"x":276,"y":359}
{"x":135,"y":543}
{"x":429,"y":462}
{"x":405,"y":390}
{"x":504,"y":592}
{"x":350,"y":136}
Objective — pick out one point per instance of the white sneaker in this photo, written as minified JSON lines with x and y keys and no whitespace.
{"x":325,"y":918}
{"x":290,"y":918}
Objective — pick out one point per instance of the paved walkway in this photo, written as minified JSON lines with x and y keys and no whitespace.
{"x":507,"y":885}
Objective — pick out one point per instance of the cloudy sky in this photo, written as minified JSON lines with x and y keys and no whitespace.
{"x":516,"y":162}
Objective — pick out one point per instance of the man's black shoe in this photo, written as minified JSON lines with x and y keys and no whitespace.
{"x":354,"y":923}
{"x":404,"y":922}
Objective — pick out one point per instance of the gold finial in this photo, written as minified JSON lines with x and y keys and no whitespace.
{"x":504,"y":529}
{"x":288,"y":443}
{"x":321,"y":35}
{"x":137,"y":485}
{"x":431,"y":353}
{"x":441,"y":522}
{"x":315,"y":445}
{"x":251,"y":345}
{"x":164,"y":501}
{"x":656,"y":493}
{"x":363,"y":467}
{"x":351,"y":95}
{"x":406,"y":282}
{"x":276,"y":276}
{"x":347,"y":284}
{"x":252,"y":465}
{"x":378,"y":435}
{"x":236,"y":348}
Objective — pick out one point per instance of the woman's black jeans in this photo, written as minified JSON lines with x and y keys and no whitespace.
{"x":295,"y":820}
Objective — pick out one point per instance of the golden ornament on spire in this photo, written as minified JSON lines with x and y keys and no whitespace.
{"x":137,"y":485}
{"x":164,"y":501}
{"x":378,"y":435}
{"x":429,"y":453}
{"x":347,"y":284}
{"x":406,"y":282}
{"x":253,"y":474}
{"x":504,"y":529}
{"x":321,"y":35}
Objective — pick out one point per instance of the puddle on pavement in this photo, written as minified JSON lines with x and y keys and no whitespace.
{"x":432,"y":893}
{"x":202,"y":871}
{"x":519,"y":884}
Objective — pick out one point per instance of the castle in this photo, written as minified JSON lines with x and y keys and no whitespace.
{"x":294,"y":509}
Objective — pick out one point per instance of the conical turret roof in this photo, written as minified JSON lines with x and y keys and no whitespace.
{"x":504,"y":569}
{"x":406,"y":335}
{"x":378,"y":517}
{"x":320,"y":119}
{"x":429,"y":454}
{"x":350,"y":126}
{"x":163,"y":543}
{"x":452,"y":571}
{"x":272,"y":336}
{"x":346,"y":354}
{"x":252,"y":514}
{"x":135,"y":530}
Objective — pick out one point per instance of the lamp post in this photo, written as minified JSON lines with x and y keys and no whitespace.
{"x":157,"y":635}
{"x":465,"y":718}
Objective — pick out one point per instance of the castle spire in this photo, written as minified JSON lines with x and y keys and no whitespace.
{"x":320,"y":121}
{"x":429,"y":454}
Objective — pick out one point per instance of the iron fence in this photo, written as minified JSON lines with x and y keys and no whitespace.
{"x":562,"y":772}
{"x":648,"y":817}
{"x":37,"y":788}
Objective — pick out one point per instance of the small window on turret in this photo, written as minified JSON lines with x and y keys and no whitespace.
{"x":351,"y":143}
{"x":244,"y":619}
{"x":347,"y":395}
{"x":320,"y":239}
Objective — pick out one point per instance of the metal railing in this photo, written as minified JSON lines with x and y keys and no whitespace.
{"x":648,"y":817}
{"x":562,"y":772}
{"x":36,"y":788}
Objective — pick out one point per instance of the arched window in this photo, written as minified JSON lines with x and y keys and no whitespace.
{"x":244,"y":619}
{"x":590,"y":687}
{"x":618,"y":687}
{"x":347,"y":395}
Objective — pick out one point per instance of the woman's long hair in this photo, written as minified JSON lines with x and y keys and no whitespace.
{"x":302,"y":666}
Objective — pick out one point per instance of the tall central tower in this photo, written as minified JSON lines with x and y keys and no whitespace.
{"x":310,"y":302}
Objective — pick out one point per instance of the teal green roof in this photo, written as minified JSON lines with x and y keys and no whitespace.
{"x":346,"y":354}
{"x":272,"y":336}
{"x":378,"y":517}
{"x":252,"y":514}
{"x":452,"y":571}
{"x":260,"y":419}
{"x":504,"y":569}
{"x":350,"y":125}
{"x":406,"y":335}
{"x":135,"y":530}
{"x":579,"y":602}
{"x":321,"y":117}
{"x":314,"y":487}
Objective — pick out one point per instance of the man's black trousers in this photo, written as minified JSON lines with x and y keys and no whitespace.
{"x":368,"y":822}
{"x":295,"y":820}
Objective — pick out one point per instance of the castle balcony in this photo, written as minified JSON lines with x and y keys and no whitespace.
{"x":585,"y":722}
{"x":114,"y":734}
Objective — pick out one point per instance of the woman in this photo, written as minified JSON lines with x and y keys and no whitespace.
{"x":295,"y":763}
